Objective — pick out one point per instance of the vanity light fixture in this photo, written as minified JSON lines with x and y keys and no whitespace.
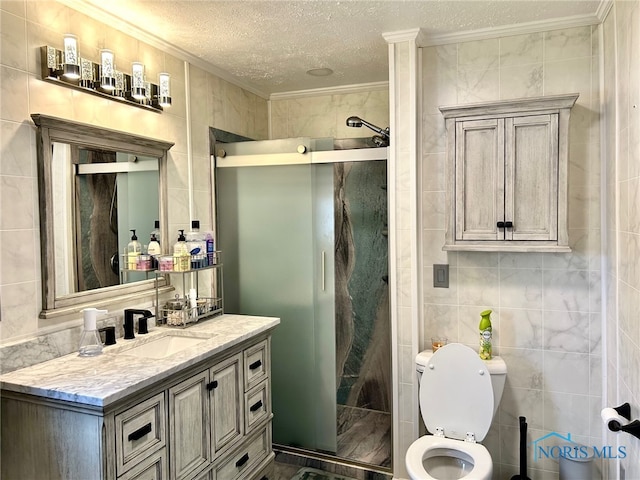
{"x":164,"y":90}
{"x":71,"y":65}
{"x":66,"y":68}
{"x":137,"y":81}
{"x":107,"y":70}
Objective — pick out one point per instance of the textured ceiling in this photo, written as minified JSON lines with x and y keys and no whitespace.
{"x":269,"y":45}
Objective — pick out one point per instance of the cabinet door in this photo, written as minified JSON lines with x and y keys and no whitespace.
{"x":227,"y":402}
{"x":479,"y":179}
{"x":531,"y":183}
{"x":189,"y":443}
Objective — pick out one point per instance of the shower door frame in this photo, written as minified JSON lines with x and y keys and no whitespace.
{"x":306,"y":157}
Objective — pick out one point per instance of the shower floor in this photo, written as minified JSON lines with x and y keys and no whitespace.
{"x":364,"y":436}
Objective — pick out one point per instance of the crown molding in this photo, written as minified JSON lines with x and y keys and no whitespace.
{"x":108,"y":18}
{"x":338,"y":90}
{"x":414,"y":34}
{"x":603,"y":9}
{"x":509,"y":30}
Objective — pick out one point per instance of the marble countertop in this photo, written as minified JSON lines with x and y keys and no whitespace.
{"x":106,"y":378}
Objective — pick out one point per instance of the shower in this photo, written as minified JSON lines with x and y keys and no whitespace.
{"x":380,"y":140}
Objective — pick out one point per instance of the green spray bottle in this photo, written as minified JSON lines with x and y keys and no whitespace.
{"x":485,"y":335}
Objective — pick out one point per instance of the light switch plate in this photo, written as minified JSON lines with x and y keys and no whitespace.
{"x":440,"y":276}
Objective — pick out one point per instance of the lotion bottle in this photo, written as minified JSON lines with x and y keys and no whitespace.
{"x":90,"y":344}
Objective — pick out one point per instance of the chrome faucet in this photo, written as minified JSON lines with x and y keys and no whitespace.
{"x":129,"y":323}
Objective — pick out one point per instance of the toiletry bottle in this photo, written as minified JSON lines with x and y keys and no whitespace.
{"x":156,"y":230}
{"x":181,"y":255}
{"x":154,"y":250}
{"x":208,"y":239}
{"x":134,"y":249}
{"x":197,"y":245}
{"x":90,"y":344}
{"x":485,"y":335}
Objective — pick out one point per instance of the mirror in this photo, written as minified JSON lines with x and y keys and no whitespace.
{"x":95,"y":185}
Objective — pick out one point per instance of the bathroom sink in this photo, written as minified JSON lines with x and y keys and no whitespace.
{"x":164,"y":346}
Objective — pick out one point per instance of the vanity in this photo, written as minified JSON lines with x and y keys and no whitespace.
{"x":182,"y":404}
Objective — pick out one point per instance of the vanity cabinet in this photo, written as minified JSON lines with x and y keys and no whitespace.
{"x":209,"y":421}
{"x":507,"y":175}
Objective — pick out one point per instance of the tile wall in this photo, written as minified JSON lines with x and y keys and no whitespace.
{"x":547,"y":321}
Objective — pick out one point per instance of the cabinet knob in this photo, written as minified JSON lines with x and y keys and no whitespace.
{"x":212,"y":385}
{"x":500,"y":224}
{"x":508,"y":224}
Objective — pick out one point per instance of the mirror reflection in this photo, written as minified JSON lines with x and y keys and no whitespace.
{"x":109,"y":194}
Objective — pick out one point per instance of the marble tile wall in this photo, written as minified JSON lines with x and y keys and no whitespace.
{"x":621,"y":42}
{"x":326,"y":115}
{"x":547,"y":321}
{"x":25,"y":27}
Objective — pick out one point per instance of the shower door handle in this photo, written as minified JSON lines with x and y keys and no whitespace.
{"x":322,"y":262}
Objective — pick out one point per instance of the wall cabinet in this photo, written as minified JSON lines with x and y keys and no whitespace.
{"x":507,"y":175}
{"x":211,"y":421}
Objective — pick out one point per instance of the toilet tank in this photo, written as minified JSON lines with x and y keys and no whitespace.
{"x":496,"y":366}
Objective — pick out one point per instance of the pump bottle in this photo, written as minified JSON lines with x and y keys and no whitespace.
{"x":90,"y":344}
{"x":134,"y":249}
{"x":181,"y":255}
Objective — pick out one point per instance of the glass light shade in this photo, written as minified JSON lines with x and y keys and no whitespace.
{"x":107,"y":70}
{"x":164,"y":90}
{"x":86,"y":73}
{"x":137,"y":81}
{"x":71,"y":68}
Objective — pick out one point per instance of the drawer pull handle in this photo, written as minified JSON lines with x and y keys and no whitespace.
{"x":141,"y":432}
{"x":212,"y":385}
{"x":243,"y":460}
{"x":500,"y":224}
{"x":256,"y":406}
{"x":508,"y":224}
{"x":255,"y":365}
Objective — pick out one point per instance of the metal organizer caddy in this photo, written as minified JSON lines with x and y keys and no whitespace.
{"x":177,"y":312}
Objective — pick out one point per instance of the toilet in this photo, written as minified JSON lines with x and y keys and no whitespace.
{"x":459,"y":395}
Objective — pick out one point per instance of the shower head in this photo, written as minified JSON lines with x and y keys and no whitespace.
{"x":358,"y":122}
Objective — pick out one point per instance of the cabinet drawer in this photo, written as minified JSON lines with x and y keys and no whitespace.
{"x":256,"y":364}
{"x":257,"y":405}
{"x":153,"y":468}
{"x":249,"y":456}
{"x":140,"y":431}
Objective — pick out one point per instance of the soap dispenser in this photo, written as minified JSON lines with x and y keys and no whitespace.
{"x":181,"y":255}
{"x":90,"y":344}
{"x":134,"y":249}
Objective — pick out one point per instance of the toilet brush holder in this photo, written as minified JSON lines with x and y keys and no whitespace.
{"x":523,"y":451}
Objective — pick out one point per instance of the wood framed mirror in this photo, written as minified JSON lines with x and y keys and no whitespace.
{"x":88,"y":177}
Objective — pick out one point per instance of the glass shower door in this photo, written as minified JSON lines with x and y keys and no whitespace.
{"x":276,"y":231}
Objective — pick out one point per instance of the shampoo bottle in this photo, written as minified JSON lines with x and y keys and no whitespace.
{"x":197,"y":245}
{"x":134,"y":249}
{"x":90,"y":344}
{"x":485,"y":335}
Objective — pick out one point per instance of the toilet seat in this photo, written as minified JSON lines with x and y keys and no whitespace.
{"x":422,"y":449}
{"x":456,"y":394}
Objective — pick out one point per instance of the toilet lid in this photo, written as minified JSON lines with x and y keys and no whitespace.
{"x":456,"y":393}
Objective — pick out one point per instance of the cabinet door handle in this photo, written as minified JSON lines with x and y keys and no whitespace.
{"x":244,"y":459}
{"x":212,"y":385}
{"x":508,"y":224}
{"x":500,"y":224}
{"x":255,"y":365}
{"x":141,"y":432}
{"x":256,"y":406}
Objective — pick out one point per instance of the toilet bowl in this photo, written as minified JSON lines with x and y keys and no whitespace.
{"x":459,"y":395}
